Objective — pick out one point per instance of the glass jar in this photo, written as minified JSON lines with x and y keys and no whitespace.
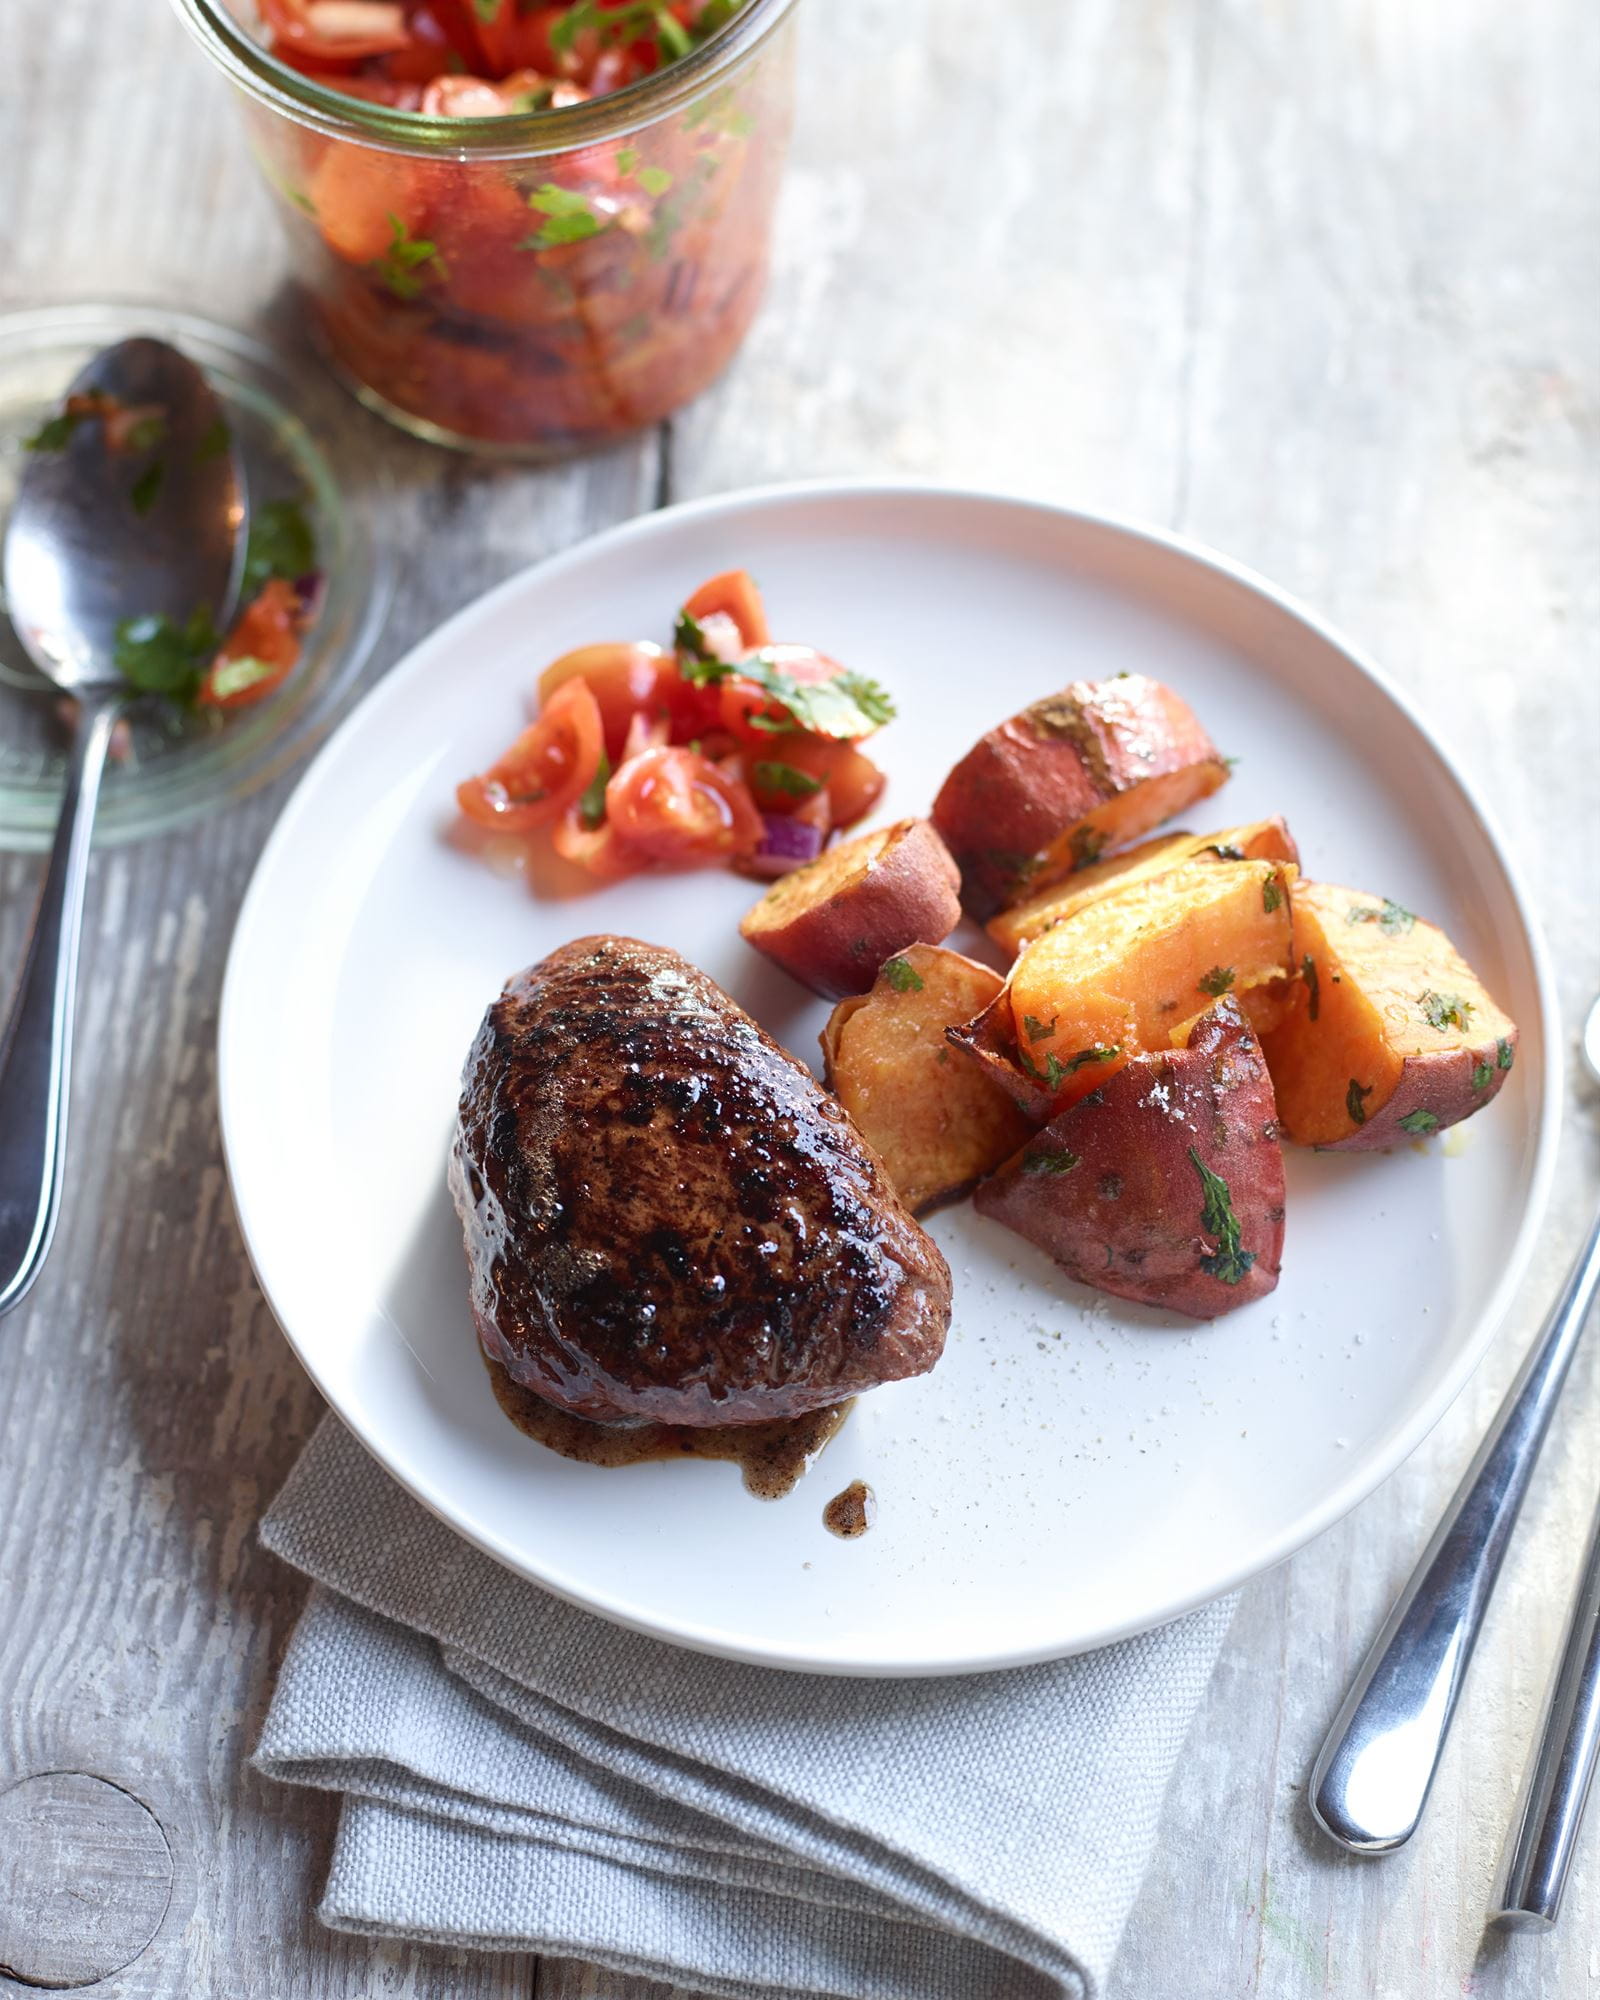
{"x":535,"y":284}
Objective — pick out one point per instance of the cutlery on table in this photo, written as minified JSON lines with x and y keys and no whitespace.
{"x":139,"y":518}
{"x":1373,"y":1774}
{"x":1562,"y":1768}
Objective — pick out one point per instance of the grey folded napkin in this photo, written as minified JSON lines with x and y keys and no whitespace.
{"x":520,"y":1775}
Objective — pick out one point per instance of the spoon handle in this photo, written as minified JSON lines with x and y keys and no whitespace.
{"x":1371,"y":1781}
{"x":36,"y":1042}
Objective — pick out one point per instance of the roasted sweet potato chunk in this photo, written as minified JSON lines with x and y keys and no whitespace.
{"x":1389,"y":1033}
{"x":835,"y":921}
{"x":1263,"y":840}
{"x":936,"y":1122}
{"x":1055,"y":787}
{"x":1131,"y":970}
{"x":1166,"y":1184}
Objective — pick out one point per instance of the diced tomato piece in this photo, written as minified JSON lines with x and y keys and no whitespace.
{"x":676,"y":806}
{"x":338,"y":30}
{"x":358,"y":193}
{"x":549,"y":767}
{"x":845,"y":775}
{"x":600,"y":848}
{"x":260,"y":652}
{"x":625,"y":679}
{"x":732,"y":595}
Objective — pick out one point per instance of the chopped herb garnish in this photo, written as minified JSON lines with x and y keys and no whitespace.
{"x":1052,"y":1073}
{"x":145,"y":489}
{"x":1217,"y":981}
{"x":848,"y":705}
{"x":1037,"y":1029}
{"x":902,"y":975}
{"x":785,"y":778}
{"x":1482,"y":1075}
{"x":1228,"y":1261}
{"x":215,"y":442}
{"x":146,"y":432}
{"x":1392,"y":920}
{"x":1503,"y":1053}
{"x":627,"y":160}
{"x":616,"y":26}
{"x":592,"y":801}
{"x":1308,"y":972}
{"x":1096,"y":1055}
{"x":1227,"y":850}
{"x":1050,"y":1160}
{"x":1272,"y":894}
{"x":281,"y":543}
{"x":570,"y":217}
{"x":401,"y":263}
{"x":486,"y":10}
{"x":1419,"y":1121}
{"x":55,"y":433}
{"x":654,"y":180}
{"x":1445,"y":1010}
{"x":1088,"y":843}
{"x":157,"y":656}
{"x":1355,"y":1100}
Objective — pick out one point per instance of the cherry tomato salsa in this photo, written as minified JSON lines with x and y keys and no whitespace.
{"x":723,"y":748}
{"x":541,"y":301}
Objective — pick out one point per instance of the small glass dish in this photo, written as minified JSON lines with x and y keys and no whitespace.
{"x":535,"y":284}
{"x":176,"y":765}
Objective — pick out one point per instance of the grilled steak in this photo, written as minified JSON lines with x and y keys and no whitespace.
{"x":666,"y":1218}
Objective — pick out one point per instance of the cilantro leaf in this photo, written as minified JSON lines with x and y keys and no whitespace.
{"x":1217,"y":981}
{"x":654,"y":180}
{"x":1419,"y":1121}
{"x":1228,"y":1261}
{"x":1036,"y":1029}
{"x":1445,"y":1010}
{"x":145,"y":490}
{"x":1308,"y":972}
{"x":1482,"y":1075}
{"x":1272,"y":894}
{"x":1355,"y":1100}
{"x":1088,"y":843}
{"x":785,"y":778}
{"x":281,"y":543}
{"x":1095,"y":1055}
{"x":592,"y":801}
{"x":402,"y":261}
{"x":1504,"y":1053}
{"x":1392,"y":920}
{"x":232,"y":677}
{"x":1050,"y":1160}
{"x":902,"y":975}
{"x":55,"y":433}
{"x":157,"y":656}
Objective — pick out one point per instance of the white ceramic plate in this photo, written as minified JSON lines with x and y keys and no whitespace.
{"x":1075,"y":1469}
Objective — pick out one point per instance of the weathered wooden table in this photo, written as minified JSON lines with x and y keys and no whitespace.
{"x":1318,"y":282}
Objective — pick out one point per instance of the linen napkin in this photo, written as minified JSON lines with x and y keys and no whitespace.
{"x":519,"y":1775}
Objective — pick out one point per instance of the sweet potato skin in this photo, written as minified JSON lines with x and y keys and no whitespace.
{"x":938,"y":1124}
{"x":1116,"y":1187}
{"x":834,"y":922}
{"x":1262,"y":840}
{"x":1385,"y":1019}
{"x":1052,"y":788}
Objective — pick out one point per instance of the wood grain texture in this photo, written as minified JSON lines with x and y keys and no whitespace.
{"x":1318,"y":283}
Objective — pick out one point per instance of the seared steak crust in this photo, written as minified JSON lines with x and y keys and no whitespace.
{"x":666,"y":1218}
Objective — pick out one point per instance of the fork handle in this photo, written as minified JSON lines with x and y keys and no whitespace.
{"x":1372,"y":1778}
{"x":36,"y":1042}
{"x":1563,"y":1767}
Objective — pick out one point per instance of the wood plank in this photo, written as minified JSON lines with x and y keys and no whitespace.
{"x":148,"y":1405}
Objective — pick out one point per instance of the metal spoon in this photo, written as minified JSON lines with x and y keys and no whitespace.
{"x":1562,"y":1769}
{"x":1372,"y":1778}
{"x":105,"y":528}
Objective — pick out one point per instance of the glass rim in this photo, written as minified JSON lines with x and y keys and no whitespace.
{"x":520,"y":134}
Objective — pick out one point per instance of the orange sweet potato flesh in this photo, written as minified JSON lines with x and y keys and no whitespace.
{"x":1072,"y":776}
{"x":1132,"y":969}
{"x":937,"y":1123}
{"x":1262,"y":840}
{"x":835,"y":921}
{"x":1389,"y":1034}
{"x":1166,"y":1185}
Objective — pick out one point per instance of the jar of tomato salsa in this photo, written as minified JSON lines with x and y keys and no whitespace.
{"x":521,"y":229}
